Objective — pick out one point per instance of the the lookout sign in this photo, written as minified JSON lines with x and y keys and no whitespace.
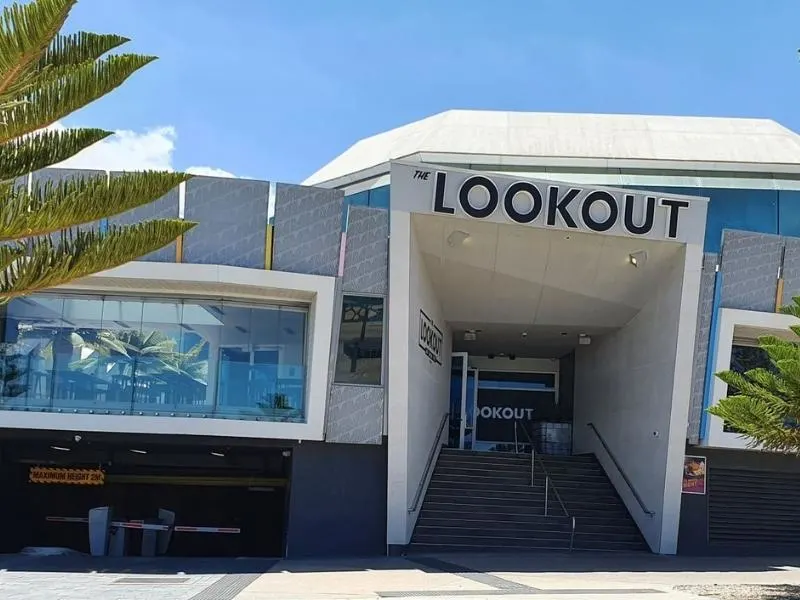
{"x":559,"y":205}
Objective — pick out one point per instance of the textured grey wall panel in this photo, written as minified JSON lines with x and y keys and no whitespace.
{"x":232,"y":222}
{"x":366,"y":259}
{"x":46,"y":175}
{"x":791,"y":270}
{"x":750,"y":263}
{"x":308,"y":230}
{"x":704,"y":310}
{"x":355,"y":414}
{"x":165,"y":207}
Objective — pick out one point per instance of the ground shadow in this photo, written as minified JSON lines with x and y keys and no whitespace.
{"x":575,"y":562}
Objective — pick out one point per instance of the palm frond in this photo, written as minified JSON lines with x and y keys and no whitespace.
{"x":50,"y":207}
{"x":77,"y":254}
{"x":26,"y":31}
{"x":79,"y":47}
{"x":52,"y":99}
{"x":39,"y":150}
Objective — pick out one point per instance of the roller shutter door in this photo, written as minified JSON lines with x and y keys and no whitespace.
{"x":753,"y":507}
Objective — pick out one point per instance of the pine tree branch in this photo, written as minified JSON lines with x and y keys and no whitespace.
{"x":76,"y":48}
{"x":51,"y":99}
{"x":50,"y":207}
{"x":53,"y":261}
{"x":26,"y":31}
{"x":39,"y":150}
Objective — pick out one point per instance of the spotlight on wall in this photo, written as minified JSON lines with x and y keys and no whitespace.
{"x":512,"y":357}
{"x":458,"y":238}
{"x":218,"y":454}
{"x":584,"y":340}
{"x":60,"y":448}
{"x":638,"y":258}
{"x":136,"y":451}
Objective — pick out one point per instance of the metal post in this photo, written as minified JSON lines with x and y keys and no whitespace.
{"x":572,"y":536}
{"x":546,"y":492}
{"x":516,"y":449}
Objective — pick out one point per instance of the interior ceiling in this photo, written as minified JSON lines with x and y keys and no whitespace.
{"x":508,"y":279}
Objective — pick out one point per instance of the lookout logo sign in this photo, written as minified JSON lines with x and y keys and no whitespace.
{"x":559,"y":205}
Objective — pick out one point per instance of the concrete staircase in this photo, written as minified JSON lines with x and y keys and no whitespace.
{"x":483,"y":501}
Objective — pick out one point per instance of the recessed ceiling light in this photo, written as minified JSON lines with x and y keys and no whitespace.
{"x":637,"y":259}
{"x":457,"y":238}
{"x":135,"y":451}
{"x":61,"y":448}
{"x":219,"y":454}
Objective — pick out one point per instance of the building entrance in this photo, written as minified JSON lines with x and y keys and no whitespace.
{"x":503,"y":410}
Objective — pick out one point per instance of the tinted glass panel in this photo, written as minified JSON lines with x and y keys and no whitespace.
{"x":360,"y":349}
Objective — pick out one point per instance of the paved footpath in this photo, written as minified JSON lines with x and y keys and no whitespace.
{"x":470,"y":577}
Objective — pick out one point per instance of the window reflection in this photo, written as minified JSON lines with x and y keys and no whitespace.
{"x":745,"y":358}
{"x":360,"y":349}
{"x":152,"y":356}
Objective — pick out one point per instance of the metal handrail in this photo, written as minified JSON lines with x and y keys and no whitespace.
{"x":625,"y":478}
{"x":548,"y":481}
{"x":431,"y":455}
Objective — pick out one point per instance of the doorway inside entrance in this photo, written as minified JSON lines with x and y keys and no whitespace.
{"x":502,"y":409}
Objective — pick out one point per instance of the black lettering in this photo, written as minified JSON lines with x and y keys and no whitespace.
{"x":674,"y":207}
{"x":649,"y":215}
{"x":468,"y":186}
{"x":554,"y":205}
{"x":586,"y":211}
{"x":438,"y":195}
{"x":536,"y":200}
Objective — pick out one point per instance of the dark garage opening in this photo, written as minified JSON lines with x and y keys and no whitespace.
{"x":205,"y":484}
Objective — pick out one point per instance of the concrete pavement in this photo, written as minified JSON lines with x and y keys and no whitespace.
{"x":473,"y":577}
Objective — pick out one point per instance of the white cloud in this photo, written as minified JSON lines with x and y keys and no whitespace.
{"x":128,"y":150}
{"x":209,"y":172}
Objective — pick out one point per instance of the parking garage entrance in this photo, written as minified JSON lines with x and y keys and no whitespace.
{"x":164,"y":498}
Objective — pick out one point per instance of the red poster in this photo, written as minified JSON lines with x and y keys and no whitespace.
{"x":694,"y":475}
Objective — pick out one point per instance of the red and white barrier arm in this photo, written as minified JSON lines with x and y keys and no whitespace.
{"x":188,"y":528}
{"x":67,"y":519}
{"x":137,"y":525}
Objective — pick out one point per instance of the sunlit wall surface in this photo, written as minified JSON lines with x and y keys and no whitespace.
{"x":148,"y":356}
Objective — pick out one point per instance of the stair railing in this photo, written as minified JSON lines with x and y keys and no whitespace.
{"x":625,"y":478}
{"x":548,"y":481}
{"x":428,"y":464}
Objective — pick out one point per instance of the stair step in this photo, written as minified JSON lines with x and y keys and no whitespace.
{"x":501,"y":518}
{"x":539,"y":522}
{"x":485,"y":502}
{"x":518,"y":543}
{"x":537,"y":533}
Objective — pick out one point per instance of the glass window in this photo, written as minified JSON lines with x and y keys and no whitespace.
{"x":118,"y":355}
{"x":379,"y":197}
{"x":360,"y":349}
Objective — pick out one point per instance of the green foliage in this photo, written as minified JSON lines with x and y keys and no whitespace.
{"x":45,"y":76}
{"x":764,"y":405}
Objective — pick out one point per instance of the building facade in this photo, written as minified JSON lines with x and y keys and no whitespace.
{"x":288,"y":373}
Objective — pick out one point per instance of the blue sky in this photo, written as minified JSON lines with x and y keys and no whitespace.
{"x":275,"y":89}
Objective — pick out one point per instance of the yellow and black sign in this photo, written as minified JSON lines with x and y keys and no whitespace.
{"x":70,"y":476}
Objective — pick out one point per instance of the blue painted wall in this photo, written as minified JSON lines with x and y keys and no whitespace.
{"x":337,"y":500}
{"x":761,"y":211}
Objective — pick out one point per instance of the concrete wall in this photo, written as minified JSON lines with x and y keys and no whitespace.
{"x":356,"y":413}
{"x":337,"y":501}
{"x":625,"y":385}
{"x":418,"y":387}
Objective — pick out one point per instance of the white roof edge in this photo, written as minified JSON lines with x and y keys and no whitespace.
{"x":434,"y":158}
